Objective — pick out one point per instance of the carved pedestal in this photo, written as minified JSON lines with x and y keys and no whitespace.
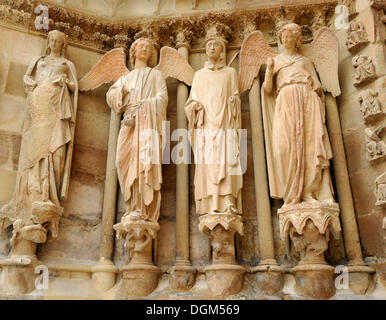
{"x":18,"y":274}
{"x":308,"y":225}
{"x":140,"y":276}
{"x":269,"y":277}
{"x":224,"y":276}
{"x":182,"y":276}
{"x":360,"y":277}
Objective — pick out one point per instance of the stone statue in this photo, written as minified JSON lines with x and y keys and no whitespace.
{"x":47,"y":137}
{"x":46,"y":149}
{"x":214,"y":113}
{"x":296,"y":139}
{"x":141,"y":95}
{"x":214,"y":107}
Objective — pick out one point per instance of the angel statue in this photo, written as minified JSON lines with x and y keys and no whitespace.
{"x":141,"y":95}
{"x":47,"y":139}
{"x":297,"y":144}
{"x":298,"y":149}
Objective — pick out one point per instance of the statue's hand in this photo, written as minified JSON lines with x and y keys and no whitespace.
{"x":60,"y":80}
{"x":129,"y":121}
{"x":270,"y":65}
{"x":198,"y":107}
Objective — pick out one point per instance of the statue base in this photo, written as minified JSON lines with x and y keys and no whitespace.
{"x":269,"y":277}
{"x":224,"y":279}
{"x":18,"y":274}
{"x":224,"y":276}
{"x":322,"y":214}
{"x":104,"y":274}
{"x":18,"y":270}
{"x":140,"y":277}
{"x":360,"y":278}
{"x":182,"y":276}
{"x":308,"y":225}
{"x":140,"y":280}
{"x":314,"y":280}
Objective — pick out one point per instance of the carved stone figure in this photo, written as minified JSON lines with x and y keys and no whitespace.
{"x":214,"y":106}
{"x":375,"y":144}
{"x":370,"y":106}
{"x":296,"y":138}
{"x":356,"y":35}
{"x":364,"y":69}
{"x":141,"y":95}
{"x":46,"y":148}
{"x":380,"y":190}
{"x":214,"y":114}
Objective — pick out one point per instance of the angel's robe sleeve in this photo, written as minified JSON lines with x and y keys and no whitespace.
{"x":115,"y":95}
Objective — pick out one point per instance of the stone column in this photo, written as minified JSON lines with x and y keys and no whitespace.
{"x":104,"y":271}
{"x":268,"y":274}
{"x":359,"y":272}
{"x":182,"y":274}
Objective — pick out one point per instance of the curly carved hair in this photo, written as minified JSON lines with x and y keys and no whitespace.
{"x":153,"y":58}
{"x":294,"y":28}
{"x":64,"y":38}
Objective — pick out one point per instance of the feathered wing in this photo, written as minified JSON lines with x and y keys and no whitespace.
{"x":254,"y":52}
{"x":324,"y":53}
{"x":173,"y":64}
{"x":110,"y":67}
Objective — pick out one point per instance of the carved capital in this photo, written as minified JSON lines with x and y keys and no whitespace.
{"x":184,"y":38}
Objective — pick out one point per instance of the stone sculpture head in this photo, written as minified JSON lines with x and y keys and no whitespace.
{"x":215,"y":49}
{"x":144,"y":50}
{"x":57,"y":42}
{"x":291,"y":36}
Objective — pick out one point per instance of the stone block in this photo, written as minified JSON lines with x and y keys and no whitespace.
{"x":14,"y":83}
{"x":370,"y":230}
{"x":92,"y":129}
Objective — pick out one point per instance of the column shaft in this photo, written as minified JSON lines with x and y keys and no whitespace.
{"x":110,"y":190}
{"x":263,"y":207}
{"x":182,"y":179}
{"x":339,"y":164}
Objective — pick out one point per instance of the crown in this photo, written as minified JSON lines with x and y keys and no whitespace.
{"x":218,"y":31}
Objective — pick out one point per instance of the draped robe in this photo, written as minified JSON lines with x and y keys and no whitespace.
{"x":217,"y":186}
{"x":45,"y":160}
{"x":297,"y":143}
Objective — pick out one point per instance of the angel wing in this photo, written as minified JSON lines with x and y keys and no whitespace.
{"x":254,"y":52}
{"x":324,"y":51}
{"x":109,"y":68}
{"x":173,"y":64}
